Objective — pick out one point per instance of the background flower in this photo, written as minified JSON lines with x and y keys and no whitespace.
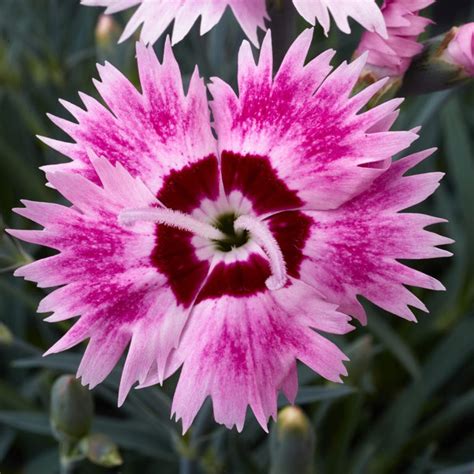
{"x":156,"y":15}
{"x":460,"y":50}
{"x":391,"y":56}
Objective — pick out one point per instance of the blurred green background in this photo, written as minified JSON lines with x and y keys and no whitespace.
{"x":408,"y":403}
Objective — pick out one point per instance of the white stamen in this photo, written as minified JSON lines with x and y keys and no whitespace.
{"x":176,"y":219}
{"x":261,"y":233}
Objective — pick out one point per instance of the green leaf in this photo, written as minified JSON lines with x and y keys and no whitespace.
{"x":308,"y":395}
{"x":395,"y":344}
{"x":135,"y":436}
{"x":30,"y":421}
{"x":459,"y":469}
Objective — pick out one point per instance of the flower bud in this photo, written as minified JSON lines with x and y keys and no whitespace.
{"x":101,"y":450}
{"x":460,"y":50}
{"x":6,"y":337}
{"x":71,"y":409}
{"x":292,"y":443}
{"x":447,"y":61}
{"x":107,"y":31}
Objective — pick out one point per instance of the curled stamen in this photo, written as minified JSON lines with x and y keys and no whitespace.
{"x":261,"y":233}
{"x":176,"y":219}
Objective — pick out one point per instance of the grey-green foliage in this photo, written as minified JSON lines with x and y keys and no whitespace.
{"x":407,"y":406}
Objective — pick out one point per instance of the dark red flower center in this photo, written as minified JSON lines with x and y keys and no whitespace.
{"x":175,"y":254}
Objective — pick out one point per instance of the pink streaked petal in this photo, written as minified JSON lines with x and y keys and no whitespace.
{"x":151,"y":133}
{"x":289,"y":386}
{"x":354,"y":250}
{"x":156,"y":15}
{"x":110,"y":280}
{"x":365,"y":12}
{"x":306,"y":124}
{"x":246,"y":353}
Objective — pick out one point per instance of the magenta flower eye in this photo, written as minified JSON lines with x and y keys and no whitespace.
{"x":228,"y":257}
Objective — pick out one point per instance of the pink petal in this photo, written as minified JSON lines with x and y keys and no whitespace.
{"x":242,"y":350}
{"x":150,"y":133}
{"x":108,"y":276}
{"x":354,"y":250}
{"x":305,"y":124}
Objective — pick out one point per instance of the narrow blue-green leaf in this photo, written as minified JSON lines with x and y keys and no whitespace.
{"x":31,"y":421}
{"x":467,"y":468}
{"x":395,"y":344}
{"x":308,"y":395}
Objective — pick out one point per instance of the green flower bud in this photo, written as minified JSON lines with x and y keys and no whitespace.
{"x":71,"y":409}
{"x":6,"y":337}
{"x":292,"y":443}
{"x":101,"y":450}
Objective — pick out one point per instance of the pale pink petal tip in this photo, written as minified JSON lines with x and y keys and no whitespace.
{"x":154,"y":17}
{"x":392,"y":55}
{"x":460,"y":50}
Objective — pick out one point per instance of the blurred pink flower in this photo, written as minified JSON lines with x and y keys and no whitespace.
{"x":226,"y":256}
{"x":393,"y":55}
{"x":156,"y":15}
{"x":460,"y":50}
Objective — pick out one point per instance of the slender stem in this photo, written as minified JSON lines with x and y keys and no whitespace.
{"x":171,"y":218}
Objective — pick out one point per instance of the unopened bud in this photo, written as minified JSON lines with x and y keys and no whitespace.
{"x":107,"y":31}
{"x":446,"y":61}
{"x":292,"y":443}
{"x":460,"y":50}
{"x":6,"y":337}
{"x":71,"y":409}
{"x":101,"y":450}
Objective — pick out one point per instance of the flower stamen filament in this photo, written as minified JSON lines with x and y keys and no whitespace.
{"x":171,"y":218}
{"x":263,"y":236}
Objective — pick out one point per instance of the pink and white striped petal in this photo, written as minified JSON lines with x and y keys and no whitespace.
{"x":156,"y":15}
{"x":242,"y":351}
{"x":108,"y":277}
{"x":306,"y":123}
{"x":365,"y":12}
{"x":355,"y":249}
{"x":149,"y":133}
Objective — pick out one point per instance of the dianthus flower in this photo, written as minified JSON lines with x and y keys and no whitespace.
{"x":227,"y":257}
{"x":156,"y":15}
{"x":393,"y":55}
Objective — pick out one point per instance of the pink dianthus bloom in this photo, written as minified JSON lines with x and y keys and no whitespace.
{"x":156,"y":15}
{"x":460,"y":50}
{"x":392,"y":56}
{"x":228,"y":257}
